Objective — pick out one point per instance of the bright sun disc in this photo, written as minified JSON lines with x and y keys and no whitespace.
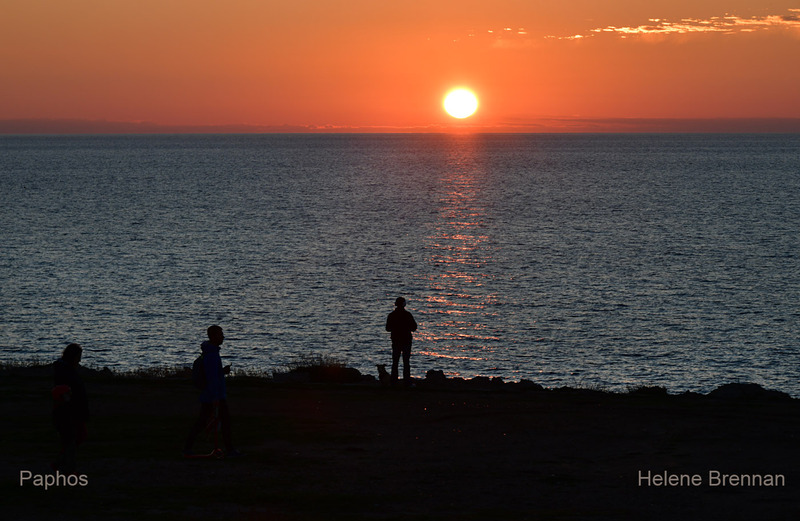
{"x":460,"y":103}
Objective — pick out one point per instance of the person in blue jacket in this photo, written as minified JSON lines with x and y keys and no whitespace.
{"x":213,"y":398}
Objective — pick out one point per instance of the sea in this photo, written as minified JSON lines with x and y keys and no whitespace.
{"x":604,"y":261}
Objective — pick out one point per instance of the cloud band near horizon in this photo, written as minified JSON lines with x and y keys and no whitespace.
{"x":727,"y":24}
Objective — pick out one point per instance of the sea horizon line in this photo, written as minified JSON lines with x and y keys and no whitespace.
{"x":68,"y":126}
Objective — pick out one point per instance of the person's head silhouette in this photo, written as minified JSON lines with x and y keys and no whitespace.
{"x":215,"y":335}
{"x":72,"y":354}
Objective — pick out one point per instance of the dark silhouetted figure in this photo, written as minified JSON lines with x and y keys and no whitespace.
{"x":401,"y":324}
{"x":70,"y":407}
{"x":213,"y":398}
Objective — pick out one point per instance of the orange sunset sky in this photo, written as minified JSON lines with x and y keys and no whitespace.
{"x":367,"y":65}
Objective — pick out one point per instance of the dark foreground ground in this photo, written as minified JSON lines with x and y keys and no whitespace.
{"x":363,"y":452}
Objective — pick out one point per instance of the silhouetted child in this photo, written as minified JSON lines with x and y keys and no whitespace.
{"x":401,"y":324}
{"x":70,"y":407}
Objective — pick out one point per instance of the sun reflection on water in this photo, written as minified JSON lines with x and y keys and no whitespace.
{"x":458,"y":302}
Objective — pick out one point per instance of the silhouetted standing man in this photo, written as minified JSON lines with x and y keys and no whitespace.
{"x":401,"y":324}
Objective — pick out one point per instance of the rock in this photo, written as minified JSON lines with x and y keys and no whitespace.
{"x":435,"y":377}
{"x":746,"y":391}
{"x":527,"y":385}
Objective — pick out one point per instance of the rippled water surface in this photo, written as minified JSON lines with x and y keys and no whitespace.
{"x":605,"y":260}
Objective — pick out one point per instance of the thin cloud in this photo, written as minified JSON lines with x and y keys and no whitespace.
{"x":728,"y":24}
{"x":519,"y":37}
{"x":504,"y":37}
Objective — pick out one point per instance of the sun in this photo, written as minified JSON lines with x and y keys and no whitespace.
{"x":460,"y":103}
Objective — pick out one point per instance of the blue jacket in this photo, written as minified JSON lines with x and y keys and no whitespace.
{"x":215,"y":378}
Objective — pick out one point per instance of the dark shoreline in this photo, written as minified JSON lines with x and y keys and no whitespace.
{"x":434,"y":380}
{"x":443,"y":450}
